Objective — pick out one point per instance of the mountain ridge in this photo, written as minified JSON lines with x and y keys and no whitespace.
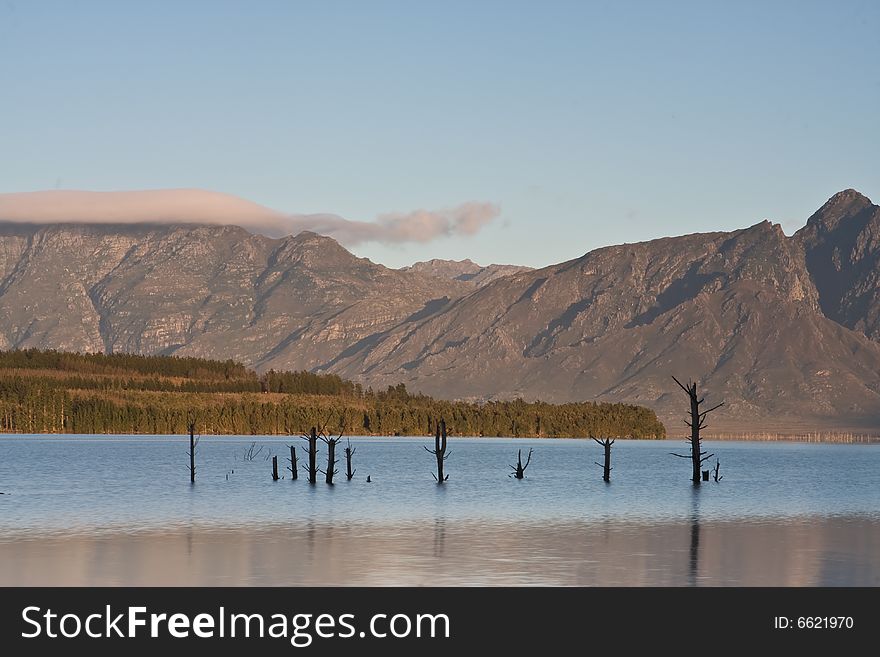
{"x":466,"y":271}
{"x":784,"y":329}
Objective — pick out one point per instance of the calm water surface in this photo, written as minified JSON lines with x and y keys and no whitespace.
{"x":121,"y":510}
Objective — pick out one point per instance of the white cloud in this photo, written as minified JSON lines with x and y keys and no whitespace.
{"x":194,"y":206}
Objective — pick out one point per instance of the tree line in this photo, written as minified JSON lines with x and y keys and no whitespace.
{"x":55,"y":392}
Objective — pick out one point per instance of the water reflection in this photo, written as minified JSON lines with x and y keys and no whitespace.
{"x":124,"y":514}
{"x":695,"y":536}
{"x":439,"y":536}
{"x":838,"y":551}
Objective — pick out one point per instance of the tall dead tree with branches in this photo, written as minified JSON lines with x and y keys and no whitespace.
{"x":331,"y":456}
{"x":696,"y":423}
{"x":606,"y":469}
{"x":312,"y":468}
{"x":193,"y":443}
{"x":349,"y":453}
{"x":519,"y":470}
{"x":439,"y":451}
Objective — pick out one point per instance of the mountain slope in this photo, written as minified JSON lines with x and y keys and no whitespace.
{"x":199,"y":290}
{"x":783,"y":329}
{"x":739,"y":311}
{"x":465,"y":271}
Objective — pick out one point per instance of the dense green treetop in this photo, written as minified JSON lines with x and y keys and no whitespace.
{"x":55,"y":392}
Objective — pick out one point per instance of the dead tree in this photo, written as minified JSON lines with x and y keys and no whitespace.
{"x":274,"y":468}
{"x":193,"y":443}
{"x":439,"y":451}
{"x":519,"y":470}
{"x":312,"y":468}
{"x":349,"y":452}
{"x":252,"y":452}
{"x":606,"y":469}
{"x":718,"y":477}
{"x":696,"y":423}
{"x":292,"y":467}
{"x":331,"y":457}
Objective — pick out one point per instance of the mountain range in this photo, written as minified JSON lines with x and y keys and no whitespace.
{"x":465,"y":271}
{"x":783,"y":329}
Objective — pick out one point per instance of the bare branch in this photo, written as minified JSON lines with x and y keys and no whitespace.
{"x":681,"y":386}
{"x":714,"y":408}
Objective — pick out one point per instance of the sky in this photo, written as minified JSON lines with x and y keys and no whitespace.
{"x":571,"y":125}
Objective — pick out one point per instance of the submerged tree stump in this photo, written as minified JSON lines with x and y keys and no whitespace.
{"x":439,"y":451}
{"x":312,"y":468}
{"x":519,"y":470}
{"x":349,"y":453}
{"x":193,"y":443}
{"x":331,"y":457}
{"x":292,"y":468}
{"x":274,"y":468}
{"x":606,"y":468}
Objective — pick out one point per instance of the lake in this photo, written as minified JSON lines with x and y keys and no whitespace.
{"x":121,"y":510}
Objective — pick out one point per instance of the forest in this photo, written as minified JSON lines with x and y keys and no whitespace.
{"x":58,"y":392}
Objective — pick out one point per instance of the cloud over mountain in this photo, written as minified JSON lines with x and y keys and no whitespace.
{"x":195,"y":206}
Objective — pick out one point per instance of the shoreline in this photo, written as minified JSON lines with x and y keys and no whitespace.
{"x":818,"y":437}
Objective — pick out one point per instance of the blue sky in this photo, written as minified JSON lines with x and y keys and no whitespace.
{"x":588,"y":123}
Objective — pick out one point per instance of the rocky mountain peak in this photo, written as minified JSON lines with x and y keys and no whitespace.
{"x":315,"y":251}
{"x":840,"y":207}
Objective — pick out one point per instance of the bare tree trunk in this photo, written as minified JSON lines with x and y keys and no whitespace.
{"x":349,"y":452}
{"x":519,"y":470}
{"x":606,"y":474}
{"x":606,"y":468}
{"x":192,"y":453}
{"x":313,"y":455}
{"x":293,"y":468}
{"x":331,"y":461}
{"x":274,"y":468}
{"x":331,"y":456}
{"x":439,"y":451}
{"x":695,"y":435}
